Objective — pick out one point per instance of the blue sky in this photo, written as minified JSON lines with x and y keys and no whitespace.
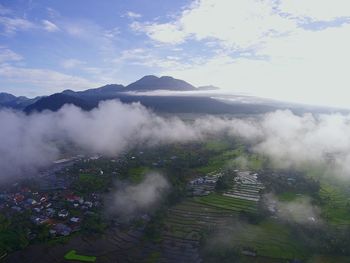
{"x":294,"y":50}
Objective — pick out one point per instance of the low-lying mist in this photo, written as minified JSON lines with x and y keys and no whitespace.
{"x":29,"y":142}
{"x":134,"y":199}
{"x":300,"y":210}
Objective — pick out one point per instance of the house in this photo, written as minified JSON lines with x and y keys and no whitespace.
{"x":40,"y":220}
{"x":63,"y":213}
{"x":43,"y":199}
{"x":73,"y":198}
{"x":31,"y":201}
{"x":75,"y":219}
{"x":18,"y":198}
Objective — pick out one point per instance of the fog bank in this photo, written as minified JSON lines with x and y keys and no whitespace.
{"x":32,"y":141}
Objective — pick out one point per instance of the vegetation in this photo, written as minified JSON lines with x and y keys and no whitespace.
{"x":250,"y":229}
{"x":225,"y":182}
{"x":72,"y":255}
{"x":229,"y":203}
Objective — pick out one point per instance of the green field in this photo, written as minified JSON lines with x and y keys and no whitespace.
{"x":268,"y":239}
{"x":220,"y":160}
{"x":228,"y":203}
{"x":217,"y":145}
{"x":72,"y":255}
{"x":336,"y":204}
{"x":288,"y":196}
{"x":136,"y":174}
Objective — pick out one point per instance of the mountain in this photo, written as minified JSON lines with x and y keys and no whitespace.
{"x":10,"y":101}
{"x":90,"y":98}
{"x":107,"y":90}
{"x":150,"y":82}
{"x":167,"y":104}
{"x":56,"y":101}
{"x":6,"y":98}
{"x":209,"y":87}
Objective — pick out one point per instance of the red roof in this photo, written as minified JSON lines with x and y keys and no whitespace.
{"x":18,"y":198}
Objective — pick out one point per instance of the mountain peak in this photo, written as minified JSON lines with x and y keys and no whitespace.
{"x":149,"y":77}
{"x":151,"y":82}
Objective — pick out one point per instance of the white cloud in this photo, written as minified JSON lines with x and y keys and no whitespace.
{"x":240,"y":23}
{"x":316,"y":10}
{"x":12,"y":25}
{"x":131,"y":14}
{"x":166,"y":33}
{"x":7,"y":55}
{"x":49,"y":26}
{"x":309,"y":67}
{"x":48,"y":80}
{"x":264,"y":50}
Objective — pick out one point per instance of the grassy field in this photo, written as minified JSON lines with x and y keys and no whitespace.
{"x":217,"y":145}
{"x":220,"y":160}
{"x":72,"y":255}
{"x":288,"y":196}
{"x":268,"y":239}
{"x":136,"y":174}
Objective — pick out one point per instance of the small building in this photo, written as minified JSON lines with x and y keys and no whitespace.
{"x":63,"y":213}
{"x":75,"y":219}
{"x":31,"y":201}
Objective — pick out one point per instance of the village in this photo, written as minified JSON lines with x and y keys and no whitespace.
{"x":50,"y":203}
{"x":205,"y":198}
{"x":62,"y":211}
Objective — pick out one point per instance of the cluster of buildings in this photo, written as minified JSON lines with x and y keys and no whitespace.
{"x":204,"y":185}
{"x":62,"y":211}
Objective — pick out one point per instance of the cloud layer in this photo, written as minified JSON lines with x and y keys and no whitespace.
{"x":32,"y":141}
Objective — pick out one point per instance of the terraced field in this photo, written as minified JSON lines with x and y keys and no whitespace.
{"x":185,"y":225}
{"x":336,"y":207}
{"x":246,"y":187}
{"x":227,"y":202}
{"x":187,"y":221}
